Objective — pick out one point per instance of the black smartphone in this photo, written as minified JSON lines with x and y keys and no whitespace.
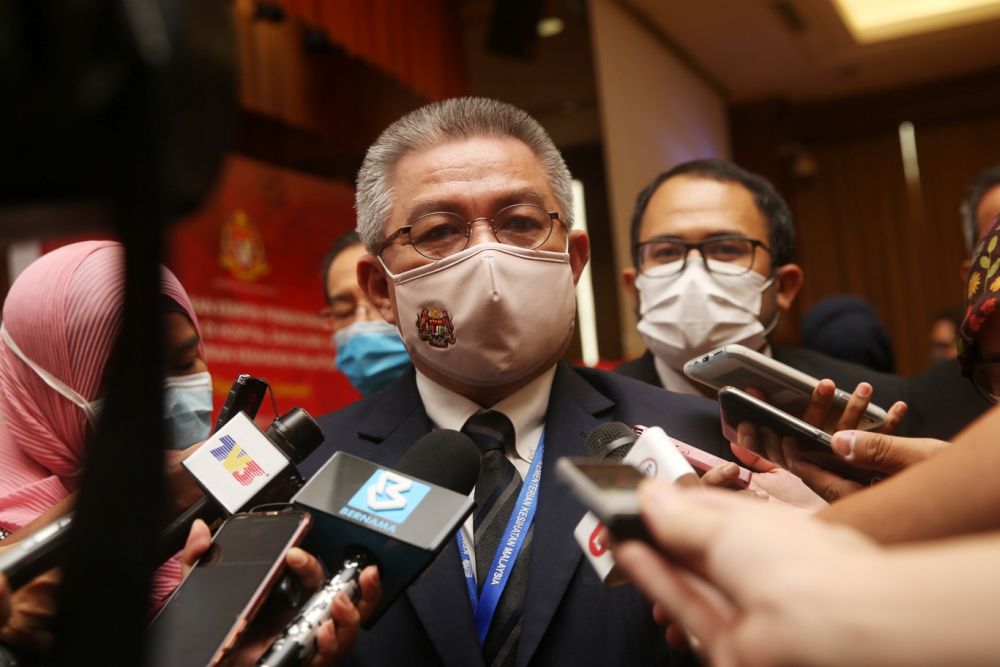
{"x":245,"y":395}
{"x":741,"y":411}
{"x":206,"y":614}
{"x":609,"y":491}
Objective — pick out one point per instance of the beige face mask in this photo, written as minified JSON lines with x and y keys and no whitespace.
{"x":489,"y":315}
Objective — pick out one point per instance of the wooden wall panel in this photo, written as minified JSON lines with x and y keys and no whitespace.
{"x":861,"y":228}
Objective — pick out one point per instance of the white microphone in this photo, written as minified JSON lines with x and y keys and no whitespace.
{"x":655,"y":454}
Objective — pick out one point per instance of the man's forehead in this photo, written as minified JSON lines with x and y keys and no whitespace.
{"x":496,"y":168}
{"x":693,"y":208}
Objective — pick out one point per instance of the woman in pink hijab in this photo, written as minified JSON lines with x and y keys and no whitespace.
{"x":60,"y":321}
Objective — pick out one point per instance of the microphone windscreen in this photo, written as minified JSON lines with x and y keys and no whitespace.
{"x":444,"y":457}
{"x":296,"y":433}
{"x":610,"y":441}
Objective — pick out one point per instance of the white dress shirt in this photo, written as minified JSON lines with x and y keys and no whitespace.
{"x":525,"y":408}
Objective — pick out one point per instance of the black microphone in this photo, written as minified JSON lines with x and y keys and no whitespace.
{"x":610,"y":441}
{"x":237,"y":467}
{"x":292,"y":437}
{"x":364,"y":514}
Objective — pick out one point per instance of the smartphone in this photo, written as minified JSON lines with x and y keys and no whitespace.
{"x":741,"y":410}
{"x":245,"y":395}
{"x":201,"y":622}
{"x":787,"y":389}
{"x":609,"y":491}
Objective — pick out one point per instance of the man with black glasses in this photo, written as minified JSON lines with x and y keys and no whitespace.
{"x":466,"y":208}
{"x":712,"y":250}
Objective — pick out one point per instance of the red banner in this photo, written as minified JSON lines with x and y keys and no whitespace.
{"x":251,"y":261}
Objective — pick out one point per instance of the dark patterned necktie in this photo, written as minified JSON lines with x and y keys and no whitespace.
{"x":497,"y":489}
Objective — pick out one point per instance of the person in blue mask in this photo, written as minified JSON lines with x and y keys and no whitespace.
{"x":369,"y":350}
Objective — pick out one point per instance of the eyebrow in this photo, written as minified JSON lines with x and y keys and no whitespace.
{"x":708,"y":237}
{"x":343,"y":297}
{"x":519,"y":196}
{"x":189,"y":344}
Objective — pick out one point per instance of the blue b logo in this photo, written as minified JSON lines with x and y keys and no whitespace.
{"x":389,"y":496}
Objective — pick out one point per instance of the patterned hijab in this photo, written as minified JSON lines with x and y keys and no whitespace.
{"x":981,"y":293}
{"x":63,"y":314}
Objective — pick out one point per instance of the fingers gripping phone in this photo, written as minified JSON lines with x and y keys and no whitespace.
{"x":609,"y":491}
{"x":201,"y":622}
{"x":743,"y":414}
{"x":787,"y":389}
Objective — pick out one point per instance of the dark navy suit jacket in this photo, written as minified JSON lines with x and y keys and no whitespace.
{"x":569,"y":617}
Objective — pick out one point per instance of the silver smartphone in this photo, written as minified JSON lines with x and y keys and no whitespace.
{"x":787,"y":389}
{"x":741,"y":410}
{"x":609,"y":491}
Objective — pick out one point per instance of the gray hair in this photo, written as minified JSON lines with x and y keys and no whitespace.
{"x":457,"y":118}
{"x":984,"y":181}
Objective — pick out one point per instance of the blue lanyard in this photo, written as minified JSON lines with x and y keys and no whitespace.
{"x":508,"y":549}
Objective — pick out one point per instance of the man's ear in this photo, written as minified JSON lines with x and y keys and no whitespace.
{"x":628,"y":281}
{"x":375,"y":284}
{"x":789,"y":280}
{"x":579,"y":252}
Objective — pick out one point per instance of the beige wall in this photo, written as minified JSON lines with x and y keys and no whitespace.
{"x":655,"y":113}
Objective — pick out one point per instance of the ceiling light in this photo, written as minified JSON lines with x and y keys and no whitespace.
{"x":878,"y":20}
{"x":550,"y":26}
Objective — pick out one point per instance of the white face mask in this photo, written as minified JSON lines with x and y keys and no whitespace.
{"x":694,"y":312}
{"x":489,"y":315}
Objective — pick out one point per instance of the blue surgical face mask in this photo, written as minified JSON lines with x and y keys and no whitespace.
{"x":187,"y":407}
{"x":187,"y":400}
{"x":371,"y":355}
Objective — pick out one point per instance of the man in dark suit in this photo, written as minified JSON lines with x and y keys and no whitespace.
{"x":734,"y":289}
{"x":465,"y":207}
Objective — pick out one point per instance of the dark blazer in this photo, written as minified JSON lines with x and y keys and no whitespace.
{"x":940,"y":401}
{"x":570,"y":618}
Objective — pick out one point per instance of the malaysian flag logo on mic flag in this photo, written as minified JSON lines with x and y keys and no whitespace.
{"x":237,"y":461}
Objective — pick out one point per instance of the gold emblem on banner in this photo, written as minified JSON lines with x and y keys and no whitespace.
{"x":241,"y":248}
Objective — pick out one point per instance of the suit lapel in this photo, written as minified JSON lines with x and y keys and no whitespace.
{"x":439,"y":597}
{"x":571,"y":415}
{"x":441,"y":600}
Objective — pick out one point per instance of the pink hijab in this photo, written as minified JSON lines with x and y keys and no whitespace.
{"x":63,"y":313}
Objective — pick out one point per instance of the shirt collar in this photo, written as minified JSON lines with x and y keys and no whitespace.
{"x":525,"y":408}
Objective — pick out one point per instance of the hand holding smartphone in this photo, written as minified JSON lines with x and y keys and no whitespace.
{"x":609,"y":491}
{"x":208,"y":612}
{"x":741,"y":411}
{"x":786,"y":388}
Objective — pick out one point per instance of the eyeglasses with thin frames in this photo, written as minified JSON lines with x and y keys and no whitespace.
{"x":442,"y":233}
{"x":729,"y":255}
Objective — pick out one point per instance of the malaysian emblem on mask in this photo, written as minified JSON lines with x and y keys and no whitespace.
{"x":435,"y":327}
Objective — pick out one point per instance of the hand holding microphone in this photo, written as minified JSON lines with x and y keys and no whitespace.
{"x":654,"y":454}
{"x":361,"y":513}
{"x":382,"y":517}
{"x":334,"y":637}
